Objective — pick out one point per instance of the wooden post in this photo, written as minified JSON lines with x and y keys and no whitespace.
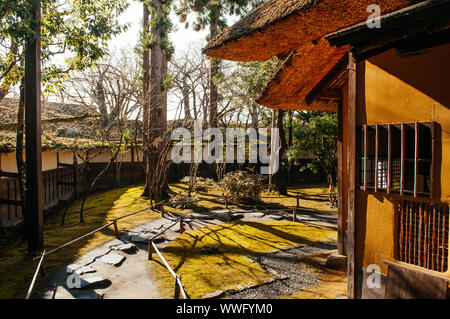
{"x":181,"y":225}
{"x":295,"y":215}
{"x":298,"y":201}
{"x":150,"y":249}
{"x":176,"y":294}
{"x":230,"y":215}
{"x":161,"y":208}
{"x":225,"y":199}
{"x":351,"y":164}
{"x":340,"y":177}
{"x":116,"y":229}
{"x":33,"y":214}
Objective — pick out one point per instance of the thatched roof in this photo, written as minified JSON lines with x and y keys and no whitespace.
{"x":303,"y":69}
{"x":281,"y":26}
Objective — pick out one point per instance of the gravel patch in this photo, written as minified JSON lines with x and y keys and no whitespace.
{"x":284,"y":264}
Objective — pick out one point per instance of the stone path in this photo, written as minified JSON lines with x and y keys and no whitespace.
{"x":119,"y":269}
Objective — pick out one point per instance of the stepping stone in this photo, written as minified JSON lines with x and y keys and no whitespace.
{"x":62,"y":293}
{"x":94,"y":282}
{"x":79,"y":270}
{"x":237,"y":216}
{"x":127,"y":248}
{"x":336,"y":261}
{"x":214,"y":294}
{"x":257,"y":215}
{"x":140,"y":238}
{"x":90,"y":297}
{"x":201,"y":216}
{"x":159,"y":240}
{"x":276,"y":217}
{"x":113,"y":259}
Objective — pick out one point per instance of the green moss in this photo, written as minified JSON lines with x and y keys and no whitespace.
{"x":214,"y":258}
{"x":16,"y":268}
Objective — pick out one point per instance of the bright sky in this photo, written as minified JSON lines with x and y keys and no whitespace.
{"x":180,"y":37}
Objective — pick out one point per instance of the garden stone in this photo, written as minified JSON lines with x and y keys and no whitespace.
{"x":256,"y":215}
{"x":126,"y":248}
{"x":336,"y":261}
{"x":140,"y":238}
{"x":79,"y":270}
{"x":113,"y":259}
{"x":94,"y":282}
{"x":214,"y":294}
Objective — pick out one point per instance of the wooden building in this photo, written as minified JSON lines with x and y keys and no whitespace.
{"x":390,"y":88}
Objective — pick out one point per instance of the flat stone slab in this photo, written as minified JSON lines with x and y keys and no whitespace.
{"x":93,"y":283}
{"x":127,"y":248}
{"x":141,"y":238}
{"x":113,"y":259}
{"x":276,"y":217}
{"x":215,"y":294}
{"x":79,"y":270}
{"x":336,"y":261}
{"x":257,"y":215}
{"x":201,"y":216}
{"x":62,"y":293}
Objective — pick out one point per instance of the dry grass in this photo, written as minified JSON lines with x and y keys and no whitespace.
{"x":16,"y":268}
{"x":215,"y":258}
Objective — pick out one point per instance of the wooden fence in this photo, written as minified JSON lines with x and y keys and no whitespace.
{"x":64,"y":183}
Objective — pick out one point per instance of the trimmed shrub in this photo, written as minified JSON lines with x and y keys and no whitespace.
{"x":242,"y":186}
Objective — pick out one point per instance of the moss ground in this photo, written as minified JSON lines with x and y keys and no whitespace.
{"x":215,"y":258}
{"x":16,"y":268}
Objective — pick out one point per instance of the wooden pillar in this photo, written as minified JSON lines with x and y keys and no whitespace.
{"x":351,"y":164}
{"x":340,"y":147}
{"x":33,"y":195}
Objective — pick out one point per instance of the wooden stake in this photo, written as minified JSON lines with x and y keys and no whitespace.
{"x":181,"y":225}
{"x":161,"y":208}
{"x":177,"y":290}
{"x":116,"y":229}
{"x":295,"y":214}
{"x":150,"y":249}
{"x":230,"y":214}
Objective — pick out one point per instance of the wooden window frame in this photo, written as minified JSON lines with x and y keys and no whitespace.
{"x":363,"y":157}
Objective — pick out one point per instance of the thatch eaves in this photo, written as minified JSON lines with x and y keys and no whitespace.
{"x":278,"y":27}
{"x":302,"y":70}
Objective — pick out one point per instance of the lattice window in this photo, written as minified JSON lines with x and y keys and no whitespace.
{"x":397,"y":158}
{"x":423,"y":234}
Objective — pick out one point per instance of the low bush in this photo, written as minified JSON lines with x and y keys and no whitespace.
{"x":241,"y":186}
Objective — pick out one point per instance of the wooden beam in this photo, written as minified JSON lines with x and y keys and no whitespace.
{"x":33,"y":215}
{"x":323,"y":84}
{"x":330,"y":94}
{"x":351,"y":164}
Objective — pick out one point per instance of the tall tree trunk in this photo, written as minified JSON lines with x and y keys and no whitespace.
{"x":186,"y":102}
{"x":279,"y":178}
{"x":156,"y":166}
{"x":145,"y":97}
{"x":214,"y":69}
{"x":19,"y":148}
